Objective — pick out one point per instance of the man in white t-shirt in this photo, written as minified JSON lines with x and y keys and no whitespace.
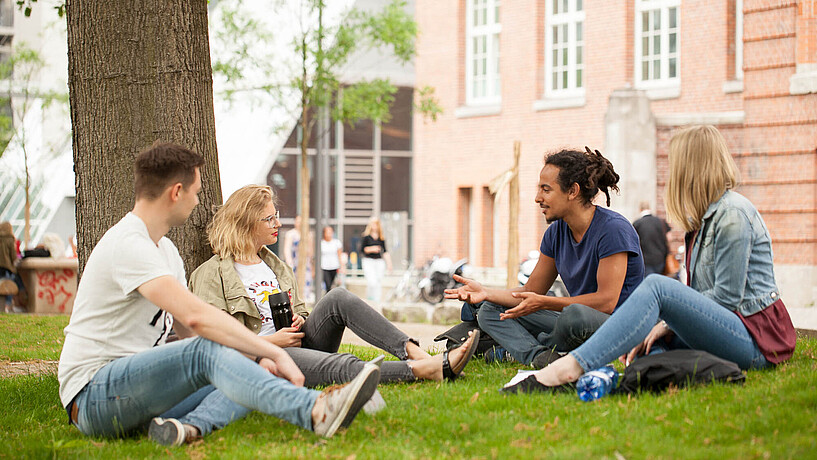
{"x":117,"y":375}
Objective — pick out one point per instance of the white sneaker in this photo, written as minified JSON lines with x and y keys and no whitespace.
{"x":375,"y":404}
{"x":342,"y":403}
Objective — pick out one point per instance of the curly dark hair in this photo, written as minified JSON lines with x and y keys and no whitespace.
{"x":590,"y":170}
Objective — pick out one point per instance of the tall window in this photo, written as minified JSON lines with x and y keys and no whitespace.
{"x":656,"y":43}
{"x":564,"y":48}
{"x":482,"y":52}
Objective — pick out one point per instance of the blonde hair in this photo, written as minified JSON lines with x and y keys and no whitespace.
{"x":370,"y":227}
{"x":6,"y":229}
{"x":700,"y":171}
{"x":231,"y":231}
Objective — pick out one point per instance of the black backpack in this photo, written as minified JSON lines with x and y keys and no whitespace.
{"x":677,"y":368}
{"x":459,"y":333}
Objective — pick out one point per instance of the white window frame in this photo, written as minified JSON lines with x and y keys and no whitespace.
{"x":490,"y":31}
{"x":570,"y":19}
{"x":663,"y":82}
{"x":735,"y":85}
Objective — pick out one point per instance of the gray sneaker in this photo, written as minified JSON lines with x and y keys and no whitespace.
{"x":167,"y":432}
{"x":545,"y":359}
{"x":342,"y":403}
{"x":375,"y":404}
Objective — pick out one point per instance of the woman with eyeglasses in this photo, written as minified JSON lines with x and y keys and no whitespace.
{"x":730,"y":307}
{"x":241,"y":277}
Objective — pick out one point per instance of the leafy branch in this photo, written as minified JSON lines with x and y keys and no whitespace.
{"x":26,"y":6}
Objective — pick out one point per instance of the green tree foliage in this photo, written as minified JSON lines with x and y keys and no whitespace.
{"x":19,"y":95}
{"x":311,"y":73}
{"x":26,"y":5}
{"x":17,"y":72}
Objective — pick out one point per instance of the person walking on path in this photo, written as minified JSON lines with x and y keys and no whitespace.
{"x":116,"y":374}
{"x":331,"y":256}
{"x":652,"y":235}
{"x":376,"y":260}
{"x":292,"y":244}
{"x":594,"y":249}
{"x":730,"y":307}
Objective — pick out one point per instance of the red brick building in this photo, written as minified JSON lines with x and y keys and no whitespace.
{"x":621,"y":77}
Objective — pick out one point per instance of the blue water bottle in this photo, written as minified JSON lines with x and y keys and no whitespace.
{"x":597,"y":383}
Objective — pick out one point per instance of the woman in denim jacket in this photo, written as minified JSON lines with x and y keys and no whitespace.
{"x":730,"y":307}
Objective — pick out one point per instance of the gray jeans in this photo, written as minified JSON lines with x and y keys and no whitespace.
{"x":323,"y":330}
{"x":527,"y":336}
{"x":210,"y":409}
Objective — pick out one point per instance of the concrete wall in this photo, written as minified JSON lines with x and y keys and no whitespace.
{"x":630,"y":146}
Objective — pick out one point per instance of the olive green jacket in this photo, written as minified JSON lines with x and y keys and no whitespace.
{"x":217,"y":283}
{"x":8,"y":253}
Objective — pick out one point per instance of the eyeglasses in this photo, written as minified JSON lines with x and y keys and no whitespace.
{"x":276,"y":218}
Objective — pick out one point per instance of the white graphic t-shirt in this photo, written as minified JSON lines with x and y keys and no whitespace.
{"x":260,"y":282}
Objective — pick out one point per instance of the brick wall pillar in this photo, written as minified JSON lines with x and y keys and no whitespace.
{"x":804,"y":81}
{"x":629,"y":144}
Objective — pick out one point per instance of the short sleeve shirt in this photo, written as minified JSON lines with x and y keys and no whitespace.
{"x":260,"y":282}
{"x":111,"y":319}
{"x":369,"y":241}
{"x":329,"y":254}
{"x":578,"y":263}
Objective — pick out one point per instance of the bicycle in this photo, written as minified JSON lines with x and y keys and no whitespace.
{"x":407,"y":289}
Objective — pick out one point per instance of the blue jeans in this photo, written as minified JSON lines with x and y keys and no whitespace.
{"x":128,"y":392}
{"x":317,"y":358}
{"x":544,"y":330}
{"x":7,"y":275}
{"x":698,"y":322}
{"x":207,"y":409}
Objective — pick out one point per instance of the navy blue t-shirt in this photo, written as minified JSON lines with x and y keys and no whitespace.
{"x":578,"y":263}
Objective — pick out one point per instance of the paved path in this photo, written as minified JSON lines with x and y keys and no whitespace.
{"x":803,"y":318}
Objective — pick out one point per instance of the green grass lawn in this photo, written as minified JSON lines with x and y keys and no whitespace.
{"x":774,"y":415}
{"x":27,"y":337}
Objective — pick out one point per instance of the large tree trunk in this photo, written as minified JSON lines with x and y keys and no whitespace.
{"x":138,"y":71}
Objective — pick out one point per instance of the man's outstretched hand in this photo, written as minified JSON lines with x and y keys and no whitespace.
{"x":531,"y":302}
{"x":470,"y":291}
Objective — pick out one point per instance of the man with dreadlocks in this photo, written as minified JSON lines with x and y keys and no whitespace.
{"x":595,"y":250}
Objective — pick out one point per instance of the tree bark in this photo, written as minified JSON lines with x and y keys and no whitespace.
{"x":138,"y":71}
